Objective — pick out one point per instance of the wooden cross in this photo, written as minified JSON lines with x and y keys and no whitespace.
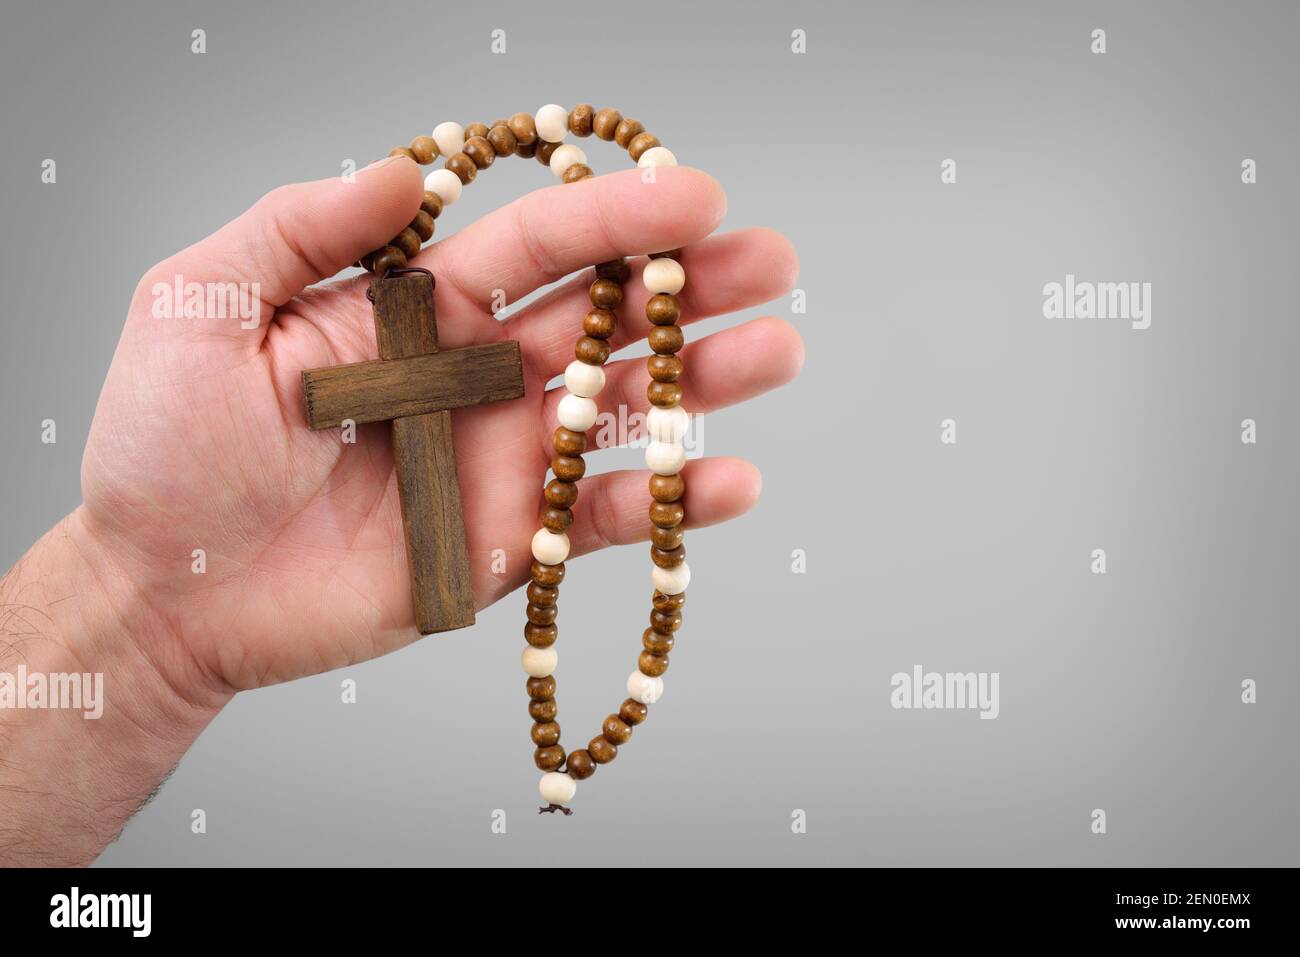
{"x":415,"y":386}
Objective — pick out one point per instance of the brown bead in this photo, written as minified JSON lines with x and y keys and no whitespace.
{"x":541,"y":614}
{"x":660,"y":642}
{"x":599,"y":324}
{"x":390,"y":257}
{"x":667,"y":537}
{"x":525,"y":130}
{"x":674,"y":254}
{"x":544,"y":151}
{"x":605,"y":122}
{"x":580,"y":118}
{"x":480,"y":151}
{"x":667,"y":488}
{"x":627,"y":129}
{"x":664,"y":368}
{"x":463,"y":167}
{"x":502,"y":139}
{"x":548,"y":575}
{"x":667,"y":514}
{"x":601,"y":751}
{"x":576,"y":172}
{"x":423,"y":225}
{"x":408,"y":241}
{"x":568,"y":442}
{"x":568,"y":467}
{"x":540,"y":636}
{"x":526,"y":150}
{"x":667,"y":557}
{"x":633,"y":712}
{"x":539,"y":689}
{"x":543,"y":709}
{"x":431,"y":204}
{"x":556,"y":519}
{"x":665,"y":623}
{"x":545,"y":733}
{"x":662,"y":309}
{"x":615,"y":730}
{"x":605,"y":294}
{"x":561,"y":494}
{"x":664,"y":394}
{"x":652,"y":664}
{"x":665,"y":340}
{"x":403,"y":151}
{"x":548,"y":759}
{"x":640,"y":143}
{"x":592,"y":351}
{"x":580,"y":765}
{"x":668,"y":603}
{"x":475,"y":129}
{"x":541,"y":595}
{"x":424,"y":149}
{"x":616,"y":270}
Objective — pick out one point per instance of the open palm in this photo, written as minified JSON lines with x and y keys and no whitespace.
{"x":200,"y":440}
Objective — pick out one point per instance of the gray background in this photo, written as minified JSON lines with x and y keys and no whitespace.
{"x":1119,"y":692}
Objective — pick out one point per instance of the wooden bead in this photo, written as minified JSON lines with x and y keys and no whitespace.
{"x":615,"y":730}
{"x":667,"y":514}
{"x":652,"y":664}
{"x":584,"y":378}
{"x":539,"y":689}
{"x":644,"y":688}
{"x":605,"y":122}
{"x":627,"y":129}
{"x":662,"y":309}
{"x":432,"y":204}
{"x":599,"y":324}
{"x":667,"y":557}
{"x":591,"y":351}
{"x":390,"y":257}
{"x":545,"y":150}
{"x":667,"y":488}
{"x":665,"y":340}
{"x":660,"y":642}
{"x":671,"y":581}
{"x":423,"y":225}
{"x":556,"y":519}
{"x":616,"y":270}
{"x":664,"y":368}
{"x":664,"y":394}
{"x":403,"y":151}
{"x":667,"y":537}
{"x":605,"y":294}
{"x":525,"y":130}
{"x":463,"y":167}
{"x":550,"y":548}
{"x":540,"y":636}
{"x":667,"y":425}
{"x":545,"y":733}
{"x":601,"y":751}
{"x":543,"y":709}
{"x":446,"y":184}
{"x":450,"y":137}
{"x":569,"y":442}
{"x":657,"y":156}
{"x":552,"y":122}
{"x":580,"y":118}
{"x":539,"y":662}
{"x":570,"y":468}
{"x":664,"y":276}
{"x":479,"y":150}
{"x":548,"y":759}
{"x":526,"y":150}
{"x":541,"y":614}
{"x":665,"y":458}
{"x":633,"y":712}
{"x":475,"y":129}
{"x":424,"y":149}
{"x":561,"y":494}
{"x":408,"y":241}
{"x":580,"y":766}
{"x":547,"y":575}
{"x":640,"y":143}
{"x":502,"y":139}
{"x":564,"y":156}
{"x":576,"y":172}
{"x":666,"y":603}
{"x":542,"y":595}
{"x":577,"y":412}
{"x":557,"y":788}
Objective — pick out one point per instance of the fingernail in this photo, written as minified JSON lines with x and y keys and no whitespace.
{"x":383,"y":162}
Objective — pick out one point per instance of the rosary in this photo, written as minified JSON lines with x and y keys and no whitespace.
{"x":414,"y":386}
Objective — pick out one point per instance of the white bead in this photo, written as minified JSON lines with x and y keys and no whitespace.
{"x":557,"y":788}
{"x":671,"y":581}
{"x":539,"y":662}
{"x":552,"y":123}
{"x":551,"y":548}
{"x":657,"y":156}
{"x":643,"y":688}
{"x":445,"y":183}
{"x":664,"y":458}
{"x":664,"y":275}
{"x":667,"y":425}
{"x":565,"y":156}
{"x":583,"y":379}
{"x":577,"y":413}
{"x":450,"y":138}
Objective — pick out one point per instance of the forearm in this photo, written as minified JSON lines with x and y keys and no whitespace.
{"x":70,"y":781}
